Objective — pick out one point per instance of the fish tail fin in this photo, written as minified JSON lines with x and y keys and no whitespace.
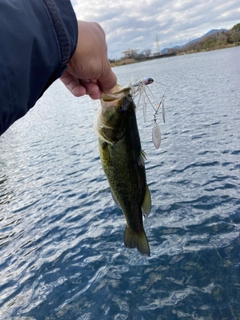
{"x":137,"y":240}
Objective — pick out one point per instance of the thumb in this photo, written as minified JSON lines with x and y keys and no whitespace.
{"x":107,"y":80}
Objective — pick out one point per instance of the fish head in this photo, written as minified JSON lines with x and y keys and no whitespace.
{"x":115,"y":110}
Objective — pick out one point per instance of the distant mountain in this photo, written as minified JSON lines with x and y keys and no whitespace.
{"x":213,"y":31}
{"x":207,"y":34}
{"x":165,"y":50}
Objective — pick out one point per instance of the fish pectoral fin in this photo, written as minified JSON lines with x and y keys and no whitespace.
{"x":147,"y":203}
{"x":137,"y":240}
{"x":144,"y":155}
{"x":142,"y":158}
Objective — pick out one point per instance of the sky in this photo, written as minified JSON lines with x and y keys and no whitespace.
{"x":137,"y":24}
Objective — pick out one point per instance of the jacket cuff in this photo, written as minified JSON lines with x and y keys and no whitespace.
{"x":66,"y":32}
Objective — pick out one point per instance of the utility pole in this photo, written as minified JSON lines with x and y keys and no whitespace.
{"x":157,"y":44}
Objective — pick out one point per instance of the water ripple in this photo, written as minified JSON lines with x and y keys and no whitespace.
{"x":61,"y":234}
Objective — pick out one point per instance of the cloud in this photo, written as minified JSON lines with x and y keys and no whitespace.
{"x":135,"y":24}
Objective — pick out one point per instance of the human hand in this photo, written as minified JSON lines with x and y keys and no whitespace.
{"x":89,"y":70}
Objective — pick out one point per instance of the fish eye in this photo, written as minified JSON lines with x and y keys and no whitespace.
{"x":122,"y":110}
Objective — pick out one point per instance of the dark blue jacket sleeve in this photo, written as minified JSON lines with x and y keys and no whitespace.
{"x":37,"y":39}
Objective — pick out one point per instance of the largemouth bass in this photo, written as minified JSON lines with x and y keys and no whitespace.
{"x":123,"y":163}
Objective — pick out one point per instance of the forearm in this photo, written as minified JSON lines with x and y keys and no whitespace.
{"x":37,"y":40}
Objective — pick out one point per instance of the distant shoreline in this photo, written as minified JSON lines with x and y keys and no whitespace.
{"x":122,"y":62}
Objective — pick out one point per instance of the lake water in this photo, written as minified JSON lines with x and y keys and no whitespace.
{"x":61,"y":235}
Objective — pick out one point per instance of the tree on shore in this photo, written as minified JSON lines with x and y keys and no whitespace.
{"x":130,"y":53}
{"x":235,"y":34}
{"x":147,"y":52}
{"x":236,"y":28}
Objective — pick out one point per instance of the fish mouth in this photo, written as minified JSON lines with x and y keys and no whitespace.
{"x":117,"y":93}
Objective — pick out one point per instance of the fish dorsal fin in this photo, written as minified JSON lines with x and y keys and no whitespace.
{"x":146,"y":205}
